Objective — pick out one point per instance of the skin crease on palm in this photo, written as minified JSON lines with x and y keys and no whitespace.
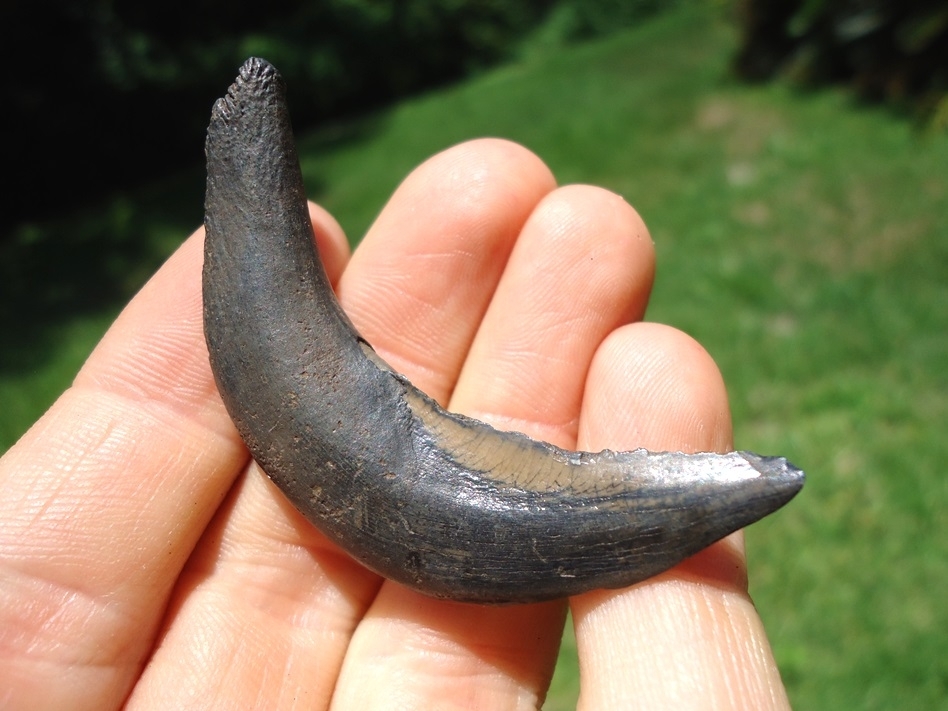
{"x":148,"y":562}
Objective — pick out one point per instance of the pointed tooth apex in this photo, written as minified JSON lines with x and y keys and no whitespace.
{"x":782,"y":474}
{"x":773,"y":466}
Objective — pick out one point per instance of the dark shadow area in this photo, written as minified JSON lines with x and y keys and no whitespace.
{"x":92,"y":260}
{"x":114,"y":94}
{"x":98,"y":257}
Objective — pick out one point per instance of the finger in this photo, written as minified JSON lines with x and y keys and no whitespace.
{"x":581,"y":265}
{"x":330,"y":241}
{"x":263,"y":610}
{"x":422,"y":278}
{"x":106,"y":495}
{"x":688,"y":638}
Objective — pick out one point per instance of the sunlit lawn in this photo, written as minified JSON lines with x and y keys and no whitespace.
{"x":802,"y":239}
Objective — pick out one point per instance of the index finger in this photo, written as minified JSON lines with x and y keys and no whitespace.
{"x":105,"y":497}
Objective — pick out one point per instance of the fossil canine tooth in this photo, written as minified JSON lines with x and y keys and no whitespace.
{"x":437,"y":501}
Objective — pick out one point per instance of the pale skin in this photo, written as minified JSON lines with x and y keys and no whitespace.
{"x":146,"y":561}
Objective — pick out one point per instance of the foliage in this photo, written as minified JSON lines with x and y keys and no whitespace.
{"x":577,"y":20}
{"x":894,"y":50}
{"x":140,"y":77}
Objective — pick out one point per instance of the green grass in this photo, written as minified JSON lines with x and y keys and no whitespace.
{"x":802,"y":239}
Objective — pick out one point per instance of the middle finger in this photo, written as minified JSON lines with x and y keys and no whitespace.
{"x":581,"y":266}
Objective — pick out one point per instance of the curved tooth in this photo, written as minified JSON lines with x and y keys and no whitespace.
{"x":439,"y":502}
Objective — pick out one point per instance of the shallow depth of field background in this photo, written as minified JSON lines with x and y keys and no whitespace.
{"x":802,"y":237}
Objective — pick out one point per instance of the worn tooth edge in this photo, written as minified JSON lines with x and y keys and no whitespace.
{"x":255,"y":72}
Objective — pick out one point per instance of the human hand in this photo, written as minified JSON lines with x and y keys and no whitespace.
{"x":146,"y":559}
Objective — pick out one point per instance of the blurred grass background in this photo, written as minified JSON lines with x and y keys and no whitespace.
{"x":801,"y":237}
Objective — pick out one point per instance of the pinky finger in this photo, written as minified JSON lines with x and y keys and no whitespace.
{"x":691,"y":637}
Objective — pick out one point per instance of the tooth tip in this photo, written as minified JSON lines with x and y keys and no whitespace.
{"x":781,"y":473}
{"x":256,"y":68}
{"x":256,"y":79}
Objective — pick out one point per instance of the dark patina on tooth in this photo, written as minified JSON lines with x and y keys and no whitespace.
{"x":440,"y":502}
